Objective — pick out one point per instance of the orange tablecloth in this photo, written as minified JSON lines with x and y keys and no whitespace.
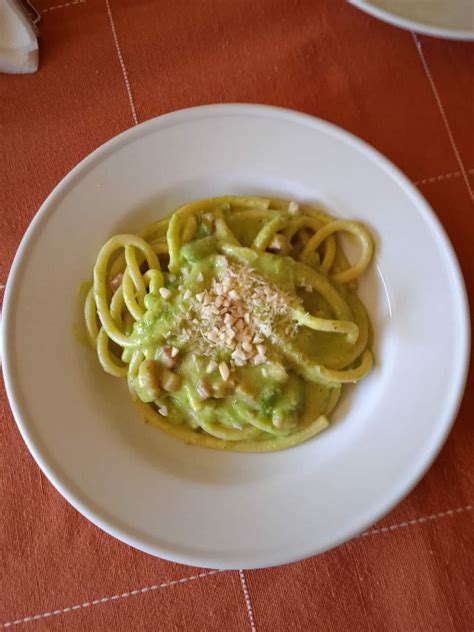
{"x":108,"y":64}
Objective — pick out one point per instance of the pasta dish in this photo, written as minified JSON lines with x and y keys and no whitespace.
{"x":236,"y":321}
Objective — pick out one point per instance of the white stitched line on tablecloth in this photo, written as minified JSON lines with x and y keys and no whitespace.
{"x":248,"y":603}
{"x":444,"y":176}
{"x":122,"y":63}
{"x":95,"y":602}
{"x":2,"y":286}
{"x":421,"y":54}
{"x":63,"y":6}
{"x":409,"y":523}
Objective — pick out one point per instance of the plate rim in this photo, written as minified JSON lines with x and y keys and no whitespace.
{"x":413,"y":25}
{"x":26,"y":427}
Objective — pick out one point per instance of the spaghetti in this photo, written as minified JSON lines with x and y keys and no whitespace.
{"x":236,"y":321}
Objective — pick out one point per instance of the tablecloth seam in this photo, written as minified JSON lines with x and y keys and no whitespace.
{"x":248,"y":601}
{"x":443,"y":176}
{"x":122,"y":63}
{"x":431,"y":80}
{"x":184,"y":580}
{"x":96,"y":602}
{"x":63,"y":6}
{"x":421,"y":520}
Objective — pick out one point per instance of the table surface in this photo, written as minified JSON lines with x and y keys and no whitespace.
{"x":109,"y":64}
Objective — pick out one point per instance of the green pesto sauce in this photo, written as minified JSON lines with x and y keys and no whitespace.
{"x":272,"y":393}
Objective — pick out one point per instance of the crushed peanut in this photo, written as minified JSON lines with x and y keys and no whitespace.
{"x":170,"y":381}
{"x":211,"y":367}
{"x":280,"y":244}
{"x":293,"y":208}
{"x":236,"y":314}
{"x":167,"y":358}
{"x":164,"y":292}
{"x":224,"y":371}
{"x":203,"y":389}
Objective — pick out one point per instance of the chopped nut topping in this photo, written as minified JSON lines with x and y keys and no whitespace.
{"x":167,"y":358}
{"x":165,"y":293}
{"x":280,"y":244}
{"x":236,"y":313}
{"x":211,"y":367}
{"x":149,"y":377}
{"x":258,"y":359}
{"x":293,"y":208}
{"x":224,"y":371}
{"x":170,"y":381}
{"x":203,"y":389}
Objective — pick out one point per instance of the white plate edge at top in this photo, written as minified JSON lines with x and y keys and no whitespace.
{"x":412,"y":25}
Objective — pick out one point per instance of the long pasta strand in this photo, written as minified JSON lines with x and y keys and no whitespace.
{"x":128,"y":276}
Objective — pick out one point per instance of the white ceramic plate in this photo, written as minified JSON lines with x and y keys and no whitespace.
{"x":453,"y":19}
{"x":194,"y":505}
